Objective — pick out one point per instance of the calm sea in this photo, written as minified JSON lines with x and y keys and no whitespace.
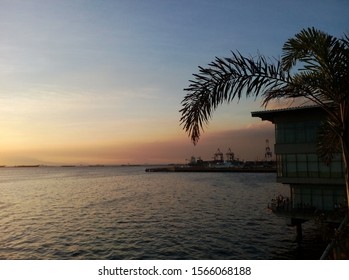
{"x":126,"y":213}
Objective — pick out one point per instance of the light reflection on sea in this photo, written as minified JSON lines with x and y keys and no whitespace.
{"x":125,"y":213}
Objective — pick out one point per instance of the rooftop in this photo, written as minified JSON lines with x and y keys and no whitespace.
{"x":270,"y":114}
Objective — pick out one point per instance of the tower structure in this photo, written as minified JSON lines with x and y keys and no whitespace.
{"x":268,"y":154}
{"x":230,"y":155}
{"x":218,"y":156}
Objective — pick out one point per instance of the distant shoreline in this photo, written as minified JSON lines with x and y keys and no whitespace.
{"x":78,"y":165}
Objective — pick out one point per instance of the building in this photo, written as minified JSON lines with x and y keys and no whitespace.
{"x":314,"y":186}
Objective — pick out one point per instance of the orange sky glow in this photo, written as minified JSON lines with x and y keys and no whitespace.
{"x":101,"y":82}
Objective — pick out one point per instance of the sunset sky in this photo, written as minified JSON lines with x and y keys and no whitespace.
{"x":87,"y":81}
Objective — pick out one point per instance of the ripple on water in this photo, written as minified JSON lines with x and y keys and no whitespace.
{"x":125,"y":213}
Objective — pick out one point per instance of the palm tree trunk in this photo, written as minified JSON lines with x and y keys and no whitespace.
{"x":345,"y":154}
{"x":344,"y":137}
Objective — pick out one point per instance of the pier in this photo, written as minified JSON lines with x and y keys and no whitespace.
{"x":211,"y":169}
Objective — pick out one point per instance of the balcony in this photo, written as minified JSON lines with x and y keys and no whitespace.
{"x":285,"y":207}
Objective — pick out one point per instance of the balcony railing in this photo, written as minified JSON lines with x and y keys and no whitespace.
{"x":284,"y":206}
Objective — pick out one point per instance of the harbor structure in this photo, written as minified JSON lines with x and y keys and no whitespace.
{"x":218,"y":156}
{"x":230,"y":156}
{"x":219,"y":164}
{"x":268,"y":153}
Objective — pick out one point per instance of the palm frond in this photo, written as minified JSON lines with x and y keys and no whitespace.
{"x":323,"y":78}
{"x":309,"y":46}
{"x":224,"y":80}
{"x":328,"y":141}
{"x":324,"y":61}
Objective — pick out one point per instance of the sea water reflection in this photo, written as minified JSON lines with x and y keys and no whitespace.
{"x":125,"y":213}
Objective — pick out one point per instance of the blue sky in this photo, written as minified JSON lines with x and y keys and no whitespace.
{"x":102,"y":81}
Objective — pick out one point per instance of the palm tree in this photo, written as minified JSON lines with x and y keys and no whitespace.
{"x":314,"y":65}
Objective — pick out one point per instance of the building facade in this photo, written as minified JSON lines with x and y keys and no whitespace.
{"x":313,"y":184}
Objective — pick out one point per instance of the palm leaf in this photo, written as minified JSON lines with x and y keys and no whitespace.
{"x":323,"y":78}
{"x":328,"y":141}
{"x":224,"y":80}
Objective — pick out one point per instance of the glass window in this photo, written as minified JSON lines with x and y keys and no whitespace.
{"x":336,"y":168}
{"x":311,"y":128}
{"x":339,"y":196}
{"x":291,"y":157}
{"x":279,"y":133}
{"x":328,"y":199}
{"x":308,"y":166}
{"x":279,"y":165}
{"x":300,"y":133}
{"x":324,"y":170}
{"x":291,"y":165}
{"x":290,"y":133}
{"x":312,"y":157}
{"x":302,"y":166}
{"x":296,"y":132}
{"x":284,"y":165}
{"x":313,"y":165}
